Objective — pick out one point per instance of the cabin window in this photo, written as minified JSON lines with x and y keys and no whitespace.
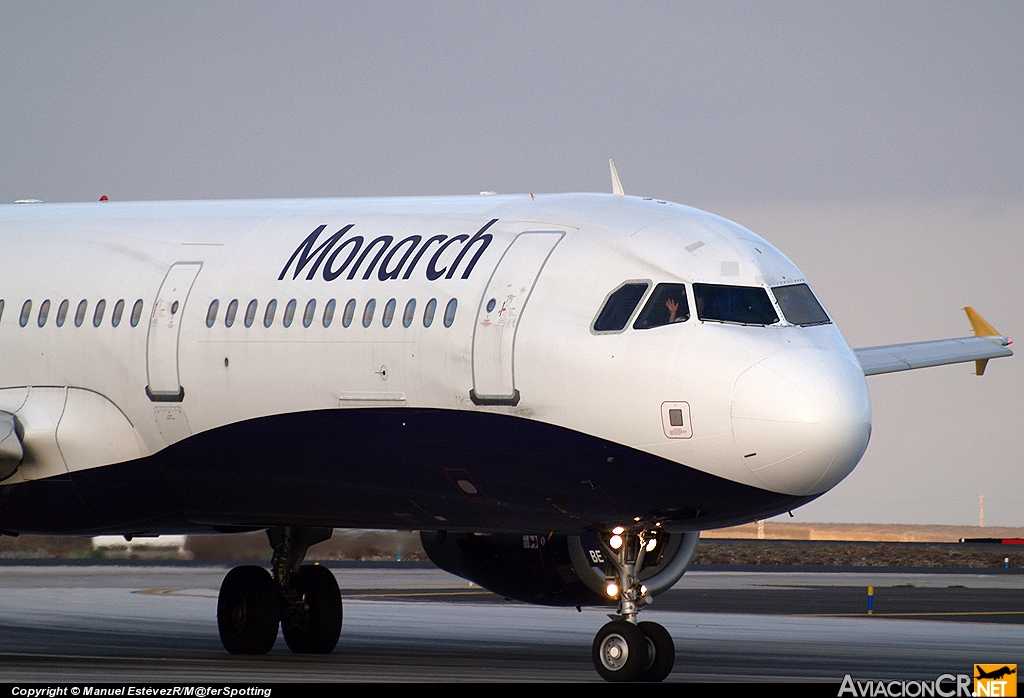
{"x":80,"y":313}
{"x":136,"y":312}
{"x":97,"y":316}
{"x":329,"y":312}
{"x":229,"y":314}
{"x":62,"y":312}
{"x":26,"y":311}
{"x":44,"y":312}
{"x":115,"y":318}
{"x":307,"y":314}
{"x":211,"y":313}
{"x":250,"y":313}
{"x":741,"y":305}
{"x":410,"y":312}
{"x":371,"y":305}
{"x":666,"y":306}
{"x":289,"y":313}
{"x":268,"y":314}
{"x":428,"y":312}
{"x":799,"y":305}
{"x":618,"y":308}
{"x":389,"y":313}
{"x":350,"y":312}
{"x":449,"y":312}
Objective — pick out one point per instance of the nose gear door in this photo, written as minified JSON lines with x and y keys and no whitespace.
{"x":497,"y":320}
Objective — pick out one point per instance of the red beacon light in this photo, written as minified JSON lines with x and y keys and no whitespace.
{"x":104,"y":198}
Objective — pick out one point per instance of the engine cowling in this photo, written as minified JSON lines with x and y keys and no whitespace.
{"x":552,"y":570}
{"x":11,"y":451}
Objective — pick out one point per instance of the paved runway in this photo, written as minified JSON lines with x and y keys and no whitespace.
{"x":150,"y":623}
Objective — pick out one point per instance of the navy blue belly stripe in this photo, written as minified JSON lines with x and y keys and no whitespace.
{"x":385,"y":468}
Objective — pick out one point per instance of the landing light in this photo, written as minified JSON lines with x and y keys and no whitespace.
{"x":652,"y":544}
{"x":618,"y":530}
{"x":615,"y":542}
{"x":612,"y":590}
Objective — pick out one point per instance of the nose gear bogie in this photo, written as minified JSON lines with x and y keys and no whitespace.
{"x":625,"y":650}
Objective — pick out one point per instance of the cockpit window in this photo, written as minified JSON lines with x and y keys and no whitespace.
{"x":800,"y":306}
{"x":742,"y":305}
{"x":666,"y":305}
{"x":619,"y":307}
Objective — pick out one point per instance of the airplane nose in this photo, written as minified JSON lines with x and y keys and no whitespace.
{"x":802,"y":419}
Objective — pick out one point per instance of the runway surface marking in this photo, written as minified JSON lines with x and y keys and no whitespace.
{"x":414,"y":594}
{"x":178,"y":591}
{"x":209,"y":593}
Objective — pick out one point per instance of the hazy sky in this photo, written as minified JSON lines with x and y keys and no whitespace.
{"x":880,"y":145}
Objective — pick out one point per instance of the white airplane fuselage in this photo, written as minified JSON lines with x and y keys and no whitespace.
{"x":512,"y":417}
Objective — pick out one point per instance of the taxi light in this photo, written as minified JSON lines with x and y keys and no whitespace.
{"x":615,"y":542}
{"x":618,"y":530}
{"x":612,"y":590}
{"x":652,"y":544}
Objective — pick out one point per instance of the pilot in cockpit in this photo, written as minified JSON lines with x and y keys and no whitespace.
{"x":673,"y":309}
{"x":667,"y":305}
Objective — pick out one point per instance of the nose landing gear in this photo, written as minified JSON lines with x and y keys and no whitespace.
{"x":662,"y":652}
{"x":302,"y":599}
{"x":625,"y":650}
{"x":620,"y":651}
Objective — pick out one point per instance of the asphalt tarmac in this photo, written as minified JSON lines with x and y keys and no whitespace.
{"x":142,"y":623}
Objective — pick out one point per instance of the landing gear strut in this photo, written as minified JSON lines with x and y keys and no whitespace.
{"x":302,"y":599}
{"x":625,"y":650}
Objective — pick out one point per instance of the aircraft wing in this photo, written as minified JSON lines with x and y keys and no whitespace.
{"x":903,"y":357}
{"x":986,"y":344}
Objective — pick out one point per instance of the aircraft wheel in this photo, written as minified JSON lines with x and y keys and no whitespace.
{"x":317,"y":630}
{"x":620,"y":651}
{"x":248,"y":611}
{"x":662,"y":652}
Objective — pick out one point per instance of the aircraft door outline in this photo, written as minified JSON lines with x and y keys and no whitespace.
{"x":497,"y":320}
{"x":163,"y":379}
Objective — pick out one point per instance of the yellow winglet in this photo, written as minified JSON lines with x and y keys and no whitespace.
{"x":980,"y":324}
{"x":981,"y":329}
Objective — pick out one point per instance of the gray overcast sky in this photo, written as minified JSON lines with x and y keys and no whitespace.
{"x":880,"y":145}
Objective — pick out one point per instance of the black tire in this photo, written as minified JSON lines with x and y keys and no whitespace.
{"x":248,"y":611}
{"x":620,"y":651}
{"x":664,"y":652}
{"x":317,"y":631}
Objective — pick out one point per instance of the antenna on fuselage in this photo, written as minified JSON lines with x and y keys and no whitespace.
{"x":616,"y":182}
